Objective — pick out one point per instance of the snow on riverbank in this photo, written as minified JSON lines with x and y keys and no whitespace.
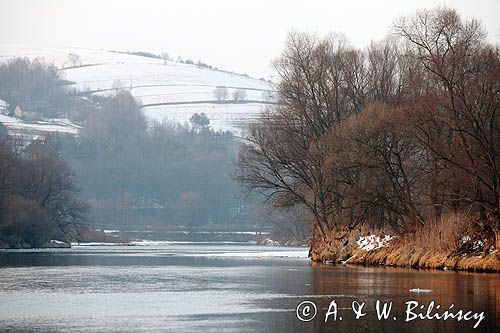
{"x":372,"y":242}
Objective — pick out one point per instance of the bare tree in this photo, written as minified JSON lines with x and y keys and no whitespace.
{"x":239,"y":95}
{"x":117,"y":84}
{"x":378,"y":167}
{"x":221,"y":93}
{"x":74,"y":59}
{"x":37,"y":197}
{"x":9,"y":152}
{"x":458,"y":104}
{"x":283,"y":159}
{"x":331,"y":146}
{"x":190,"y":208}
{"x":292,"y":223}
{"x":166,"y":57}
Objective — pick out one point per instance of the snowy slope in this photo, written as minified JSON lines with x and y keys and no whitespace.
{"x":154,"y":82}
{"x":38,"y":129}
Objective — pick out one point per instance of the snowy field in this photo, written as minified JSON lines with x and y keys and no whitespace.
{"x":225,"y":117}
{"x":153,"y":81}
{"x":38,"y":129}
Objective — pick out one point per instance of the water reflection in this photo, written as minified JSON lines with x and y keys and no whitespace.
{"x":219,"y":287}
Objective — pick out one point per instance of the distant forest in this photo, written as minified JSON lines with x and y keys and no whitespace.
{"x":122,"y":169}
{"x":132,"y":173}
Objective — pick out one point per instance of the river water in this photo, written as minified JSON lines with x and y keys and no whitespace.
{"x":225,"y":287}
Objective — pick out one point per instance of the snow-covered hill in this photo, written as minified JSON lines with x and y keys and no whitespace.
{"x":157,"y":84}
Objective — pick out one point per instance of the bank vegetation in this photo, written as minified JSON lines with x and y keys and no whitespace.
{"x":401,"y":138}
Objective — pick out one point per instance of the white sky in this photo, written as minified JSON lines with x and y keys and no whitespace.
{"x":243,"y":36}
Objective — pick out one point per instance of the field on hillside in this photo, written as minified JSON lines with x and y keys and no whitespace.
{"x":155,"y":82}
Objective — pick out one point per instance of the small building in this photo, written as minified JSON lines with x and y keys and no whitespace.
{"x":35,"y":110}
{"x":26,"y":114}
{"x":18,"y":113}
{"x":3,"y":107}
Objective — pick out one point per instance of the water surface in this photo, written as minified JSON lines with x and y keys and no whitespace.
{"x":220,"y":287}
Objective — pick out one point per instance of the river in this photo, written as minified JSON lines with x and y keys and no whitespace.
{"x":225,"y":287}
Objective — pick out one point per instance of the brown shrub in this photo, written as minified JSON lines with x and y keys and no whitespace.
{"x":444,"y":234}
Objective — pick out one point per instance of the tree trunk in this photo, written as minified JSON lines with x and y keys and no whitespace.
{"x":496,"y":230}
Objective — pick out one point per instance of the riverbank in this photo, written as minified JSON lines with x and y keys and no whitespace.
{"x":85,"y":235}
{"x":278,"y":241}
{"x":397,"y":255}
{"x":23,"y":245}
{"x":414,"y":257}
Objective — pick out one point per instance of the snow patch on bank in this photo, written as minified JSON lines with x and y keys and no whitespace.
{"x":372,"y":242}
{"x":99,"y":244}
{"x":55,"y":241}
{"x":418,"y":290}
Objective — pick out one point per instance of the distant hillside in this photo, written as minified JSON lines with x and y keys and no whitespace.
{"x":170,"y":91}
{"x":36,"y":129}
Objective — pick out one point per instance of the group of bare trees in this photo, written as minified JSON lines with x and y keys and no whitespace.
{"x":221,"y":94}
{"x":394,"y":135}
{"x":37,"y":195}
{"x":240,"y":95}
{"x":24,"y":80}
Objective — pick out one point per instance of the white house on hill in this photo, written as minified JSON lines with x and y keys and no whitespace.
{"x":3,"y":107}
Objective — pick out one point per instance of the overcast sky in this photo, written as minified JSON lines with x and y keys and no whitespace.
{"x":243,"y":36}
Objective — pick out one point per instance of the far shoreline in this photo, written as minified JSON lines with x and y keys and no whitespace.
{"x":392,"y":256}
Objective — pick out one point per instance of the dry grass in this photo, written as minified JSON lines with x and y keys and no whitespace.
{"x":445,"y":234}
{"x":415,"y":257}
{"x":436,"y":245}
